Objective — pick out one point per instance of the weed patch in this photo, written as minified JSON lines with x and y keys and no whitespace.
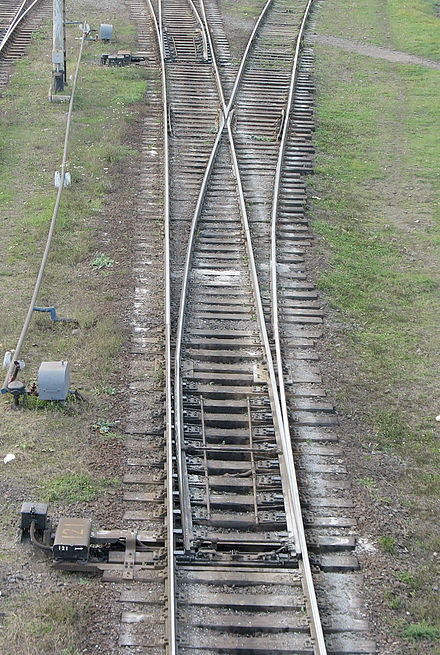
{"x":71,"y":488}
{"x":387,"y":544}
{"x":102,"y":261}
{"x":421,"y":631}
{"x":375,"y":206}
{"x":104,"y":426}
{"x":45,"y":624}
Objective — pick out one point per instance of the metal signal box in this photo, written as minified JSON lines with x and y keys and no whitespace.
{"x":72,"y":540}
{"x":33,"y":512}
{"x":105,"y":32}
{"x":54,"y":380}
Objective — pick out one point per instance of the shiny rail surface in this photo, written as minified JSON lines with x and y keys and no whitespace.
{"x":170,"y":543}
{"x":17,"y":15}
{"x":17,"y":22}
{"x":206,"y":407}
{"x":308,"y":586}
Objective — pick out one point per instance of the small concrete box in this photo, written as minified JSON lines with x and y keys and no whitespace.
{"x":54,"y":380}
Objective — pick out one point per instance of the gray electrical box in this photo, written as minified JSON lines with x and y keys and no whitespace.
{"x":105,"y":32}
{"x":53,"y":380}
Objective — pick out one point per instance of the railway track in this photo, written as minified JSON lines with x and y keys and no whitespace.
{"x":237,"y":486}
{"x":238,"y":533}
{"x":229,"y":552}
{"x":17,"y":23}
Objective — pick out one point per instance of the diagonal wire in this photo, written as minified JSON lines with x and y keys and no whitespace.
{"x":51,"y":228}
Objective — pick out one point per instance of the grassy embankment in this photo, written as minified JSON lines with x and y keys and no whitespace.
{"x":54,"y":446}
{"x":376,"y":207}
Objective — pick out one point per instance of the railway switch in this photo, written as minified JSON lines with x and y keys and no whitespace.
{"x":74,"y":546}
{"x":122,"y":58}
{"x":72,"y":540}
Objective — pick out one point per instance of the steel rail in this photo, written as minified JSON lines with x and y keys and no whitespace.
{"x":182,"y":477}
{"x":51,"y":228}
{"x":10,"y":27}
{"x":202,"y":30}
{"x":16,"y":22}
{"x":278,"y":398}
{"x":249,"y":44}
{"x":293,"y":514}
{"x":293,"y":496}
{"x":208,"y":37}
{"x":286,"y":449}
{"x":171,"y":590}
{"x":186,"y":515}
{"x":316,"y":626}
{"x":291,"y":524}
{"x":178,"y":409}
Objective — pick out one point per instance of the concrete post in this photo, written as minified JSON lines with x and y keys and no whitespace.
{"x":58,"y":46}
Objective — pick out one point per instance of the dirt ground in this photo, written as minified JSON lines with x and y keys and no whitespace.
{"x":377,"y":52}
{"x":43,"y":610}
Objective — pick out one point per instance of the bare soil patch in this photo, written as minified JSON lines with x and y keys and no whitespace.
{"x":370,"y":50}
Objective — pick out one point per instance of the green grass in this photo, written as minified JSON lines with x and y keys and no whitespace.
{"x":102,"y":261}
{"x":375,"y":206}
{"x":57,"y":451}
{"x":74,"y":488}
{"x":245,"y":9}
{"x":371,"y":278}
{"x":387,"y":544}
{"x":406,"y":577}
{"x":367,"y":483}
{"x":30,"y":124}
{"x":58,"y":454}
{"x":50,"y":623}
{"x":415,"y":26}
{"x":421,"y":631}
{"x":366,"y":19}
{"x":406,"y":25}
